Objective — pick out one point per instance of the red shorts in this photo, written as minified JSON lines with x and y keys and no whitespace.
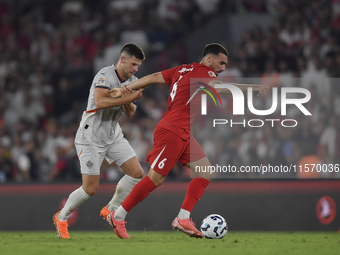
{"x":169,"y":148}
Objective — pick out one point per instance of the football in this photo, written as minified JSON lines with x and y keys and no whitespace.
{"x":214,"y":226}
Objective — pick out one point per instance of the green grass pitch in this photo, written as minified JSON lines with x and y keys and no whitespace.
{"x":149,"y":243}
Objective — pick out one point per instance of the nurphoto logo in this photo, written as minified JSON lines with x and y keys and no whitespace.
{"x":239,"y":102}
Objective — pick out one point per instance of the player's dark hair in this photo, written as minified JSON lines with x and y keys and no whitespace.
{"x":215,"y":49}
{"x":133,"y":50}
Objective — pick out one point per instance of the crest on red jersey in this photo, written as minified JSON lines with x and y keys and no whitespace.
{"x":211,"y":74}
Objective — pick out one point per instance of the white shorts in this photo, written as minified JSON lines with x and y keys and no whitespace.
{"x":91,"y":157}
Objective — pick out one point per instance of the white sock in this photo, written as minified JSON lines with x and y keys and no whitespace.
{"x":75,"y":199}
{"x":120,"y":213}
{"x":123,"y":189}
{"x":183,"y":214}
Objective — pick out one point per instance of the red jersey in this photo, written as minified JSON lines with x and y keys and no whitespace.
{"x":182,"y":107}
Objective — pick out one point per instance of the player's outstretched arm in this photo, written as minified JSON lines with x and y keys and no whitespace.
{"x":262,"y":89}
{"x":102,"y":99}
{"x":147,"y":81}
{"x":141,"y":83}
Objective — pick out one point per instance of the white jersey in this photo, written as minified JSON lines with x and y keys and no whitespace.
{"x":100,"y":126}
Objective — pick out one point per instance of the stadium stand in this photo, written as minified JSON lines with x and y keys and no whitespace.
{"x":50,"y":50}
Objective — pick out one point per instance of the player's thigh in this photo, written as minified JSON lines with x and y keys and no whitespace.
{"x":167,"y":150}
{"x":132,"y":168}
{"x":90,"y":158}
{"x":120,"y":152}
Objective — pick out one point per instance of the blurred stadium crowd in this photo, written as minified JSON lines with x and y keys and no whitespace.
{"x":50,"y":51}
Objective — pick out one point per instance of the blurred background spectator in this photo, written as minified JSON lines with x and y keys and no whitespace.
{"x":50,"y":51}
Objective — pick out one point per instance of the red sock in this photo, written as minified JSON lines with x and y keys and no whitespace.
{"x":194,"y":192}
{"x":138,"y":193}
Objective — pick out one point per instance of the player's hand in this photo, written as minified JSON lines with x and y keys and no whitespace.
{"x":262,"y":91}
{"x":135,"y":95}
{"x":125,"y":90}
{"x":116,"y":92}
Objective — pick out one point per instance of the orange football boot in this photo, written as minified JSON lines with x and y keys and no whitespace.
{"x":104,"y":212}
{"x":118,"y":226}
{"x":61,"y":227}
{"x":187,"y":226}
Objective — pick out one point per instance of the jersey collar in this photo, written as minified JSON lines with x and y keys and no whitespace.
{"x":120,"y":79}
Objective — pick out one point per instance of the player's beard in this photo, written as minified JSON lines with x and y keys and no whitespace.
{"x":211,"y":66}
{"x":126,"y":74}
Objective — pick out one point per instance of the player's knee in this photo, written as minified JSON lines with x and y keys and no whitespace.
{"x":156,"y":178}
{"x":158,"y":181}
{"x":91,"y":190}
{"x":137,"y":174}
{"x":208,"y":179}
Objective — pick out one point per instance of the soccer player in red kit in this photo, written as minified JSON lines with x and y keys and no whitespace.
{"x":173,"y":139}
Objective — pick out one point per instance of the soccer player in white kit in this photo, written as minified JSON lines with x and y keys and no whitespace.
{"x":100,"y":136}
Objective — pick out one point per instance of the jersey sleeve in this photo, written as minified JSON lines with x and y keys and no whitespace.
{"x":168,"y":75}
{"x":102,"y":80}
